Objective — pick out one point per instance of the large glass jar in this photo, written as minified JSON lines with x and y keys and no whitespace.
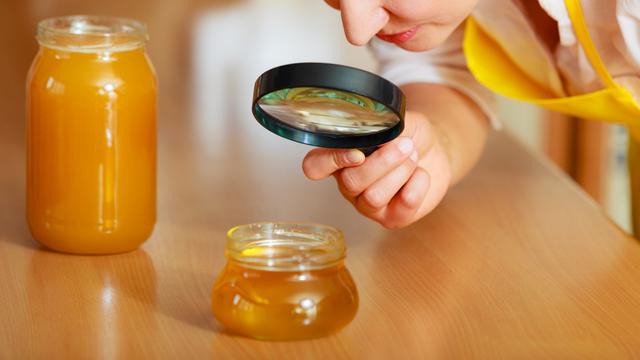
{"x":91,"y":136}
{"x":284,"y":281}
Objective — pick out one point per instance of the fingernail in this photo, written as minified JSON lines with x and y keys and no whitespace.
{"x":355,"y":156}
{"x":405,"y":145}
{"x":414,"y":156}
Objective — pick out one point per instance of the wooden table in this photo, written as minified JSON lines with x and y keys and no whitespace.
{"x":517,"y":262}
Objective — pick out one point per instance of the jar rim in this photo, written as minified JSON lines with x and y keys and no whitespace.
{"x":91,"y":33}
{"x":285,"y":246}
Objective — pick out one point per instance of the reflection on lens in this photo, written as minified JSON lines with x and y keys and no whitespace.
{"x":329,"y":111}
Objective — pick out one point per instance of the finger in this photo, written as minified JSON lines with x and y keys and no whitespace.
{"x":355,"y":180}
{"x":321,"y":163}
{"x":349,"y":197}
{"x":379,"y":194}
{"x":403,"y":207}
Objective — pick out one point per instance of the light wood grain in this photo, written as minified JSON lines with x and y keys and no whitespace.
{"x":592,"y":147}
{"x":516,"y":263}
{"x":559,"y":140}
{"x":580,"y":148}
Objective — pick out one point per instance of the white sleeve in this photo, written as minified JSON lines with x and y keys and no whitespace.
{"x":444,"y":65}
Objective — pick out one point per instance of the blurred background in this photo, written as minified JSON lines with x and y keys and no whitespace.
{"x":207,"y":54}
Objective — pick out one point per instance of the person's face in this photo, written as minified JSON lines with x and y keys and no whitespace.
{"x":415,"y":25}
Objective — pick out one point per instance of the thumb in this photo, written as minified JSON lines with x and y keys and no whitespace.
{"x":321,"y":163}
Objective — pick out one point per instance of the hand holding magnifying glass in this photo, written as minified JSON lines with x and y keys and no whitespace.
{"x":348,"y":113}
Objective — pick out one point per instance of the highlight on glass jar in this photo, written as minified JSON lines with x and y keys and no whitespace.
{"x":284,"y":281}
{"x":91,"y":136}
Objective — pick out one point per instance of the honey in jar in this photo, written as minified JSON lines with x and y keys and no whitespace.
{"x":284,"y":281}
{"x":91,"y":136}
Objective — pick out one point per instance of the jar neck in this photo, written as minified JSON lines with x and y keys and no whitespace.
{"x":91,"y":34}
{"x":285,"y":246}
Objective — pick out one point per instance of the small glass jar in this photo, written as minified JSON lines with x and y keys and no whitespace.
{"x":91,"y":136}
{"x":284,"y":281}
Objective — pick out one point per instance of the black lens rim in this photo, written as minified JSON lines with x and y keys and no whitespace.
{"x":329,"y":76}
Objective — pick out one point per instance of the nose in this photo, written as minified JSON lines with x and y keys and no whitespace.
{"x":362,"y":19}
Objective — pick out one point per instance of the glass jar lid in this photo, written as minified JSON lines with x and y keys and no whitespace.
{"x":85,"y":33}
{"x":285,"y":246}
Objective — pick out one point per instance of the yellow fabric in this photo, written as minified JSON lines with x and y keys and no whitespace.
{"x":493,"y":68}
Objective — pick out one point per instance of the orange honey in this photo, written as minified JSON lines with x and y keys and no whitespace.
{"x":284,"y":282}
{"x":91,"y":136}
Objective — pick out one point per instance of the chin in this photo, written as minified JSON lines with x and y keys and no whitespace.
{"x":427,"y":39}
{"x":416,"y":46}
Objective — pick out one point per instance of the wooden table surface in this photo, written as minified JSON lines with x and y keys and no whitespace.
{"x":517,"y":262}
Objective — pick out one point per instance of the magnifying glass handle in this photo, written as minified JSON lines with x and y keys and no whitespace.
{"x":369,"y":150}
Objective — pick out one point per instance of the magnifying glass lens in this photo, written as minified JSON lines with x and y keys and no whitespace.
{"x":328,"y":111}
{"x":328,"y":105}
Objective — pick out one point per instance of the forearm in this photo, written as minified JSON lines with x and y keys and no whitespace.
{"x":460,"y":125}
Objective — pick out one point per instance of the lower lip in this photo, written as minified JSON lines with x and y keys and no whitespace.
{"x":399,"y":37}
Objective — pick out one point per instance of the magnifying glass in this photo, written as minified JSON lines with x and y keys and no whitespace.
{"x":329,"y":105}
